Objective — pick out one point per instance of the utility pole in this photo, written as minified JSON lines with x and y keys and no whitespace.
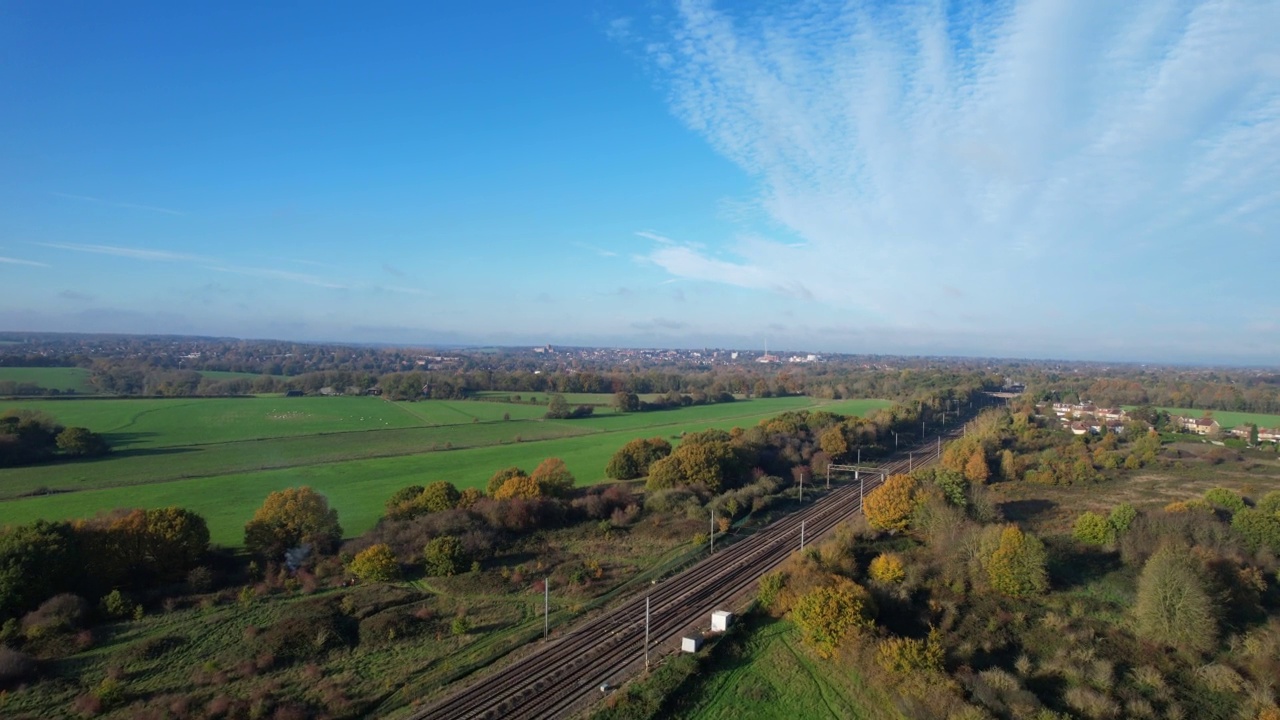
{"x":895,"y":439}
{"x":859,"y":454}
{"x":861,"y":486}
{"x":546,"y":608}
{"x":828,"y":475}
{"x":801,"y":488}
{"x":646,"y":633}
{"x":802,"y":535}
{"x":939,"y":446}
{"x":911,"y":460}
{"x":713,"y":530}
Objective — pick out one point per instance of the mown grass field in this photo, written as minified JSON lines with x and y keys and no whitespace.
{"x":775,"y":676}
{"x":545,"y":397}
{"x":1228,"y":419}
{"x":221,"y":457}
{"x":227,"y":375}
{"x":56,"y":378}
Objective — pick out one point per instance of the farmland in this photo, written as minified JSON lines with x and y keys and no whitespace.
{"x":1227,"y":418}
{"x":54,"y":378}
{"x":221,"y":457}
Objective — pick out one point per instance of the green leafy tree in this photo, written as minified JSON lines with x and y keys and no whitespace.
{"x":290,"y":518}
{"x":558,"y":408}
{"x":36,"y":561}
{"x":400,"y":504}
{"x":1121,"y":517}
{"x":1017,"y":566}
{"x":375,"y":563}
{"x":1173,"y":606}
{"x":1260,"y":529}
{"x":444,"y":556}
{"x":827,"y":614}
{"x":439,"y":496}
{"x":553,"y":478}
{"x":889,"y":507}
{"x":625,"y":402}
{"x":634,"y":459}
{"x":500,"y":478}
{"x":81,"y":442}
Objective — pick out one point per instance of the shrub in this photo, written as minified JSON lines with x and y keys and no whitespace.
{"x":1226,"y":499}
{"x":444,"y":556}
{"x":438,"y":497}
{"x":887,"y":569}
{"x":1173,"y":606}
{"x":827,"y":614}
{"x":1270,"y":503}
{"x":60,"y":613}
{"x":1122,"y":516}
{"x":1093,"y":529}
{"x":905,"y":655}
{"x":115,"y":605}
{"x":770,"y":586}
{"x":1258,"y":528}
{"x":889,"y":507}
{"x":376,"y":563}
{"x":461,"y":625}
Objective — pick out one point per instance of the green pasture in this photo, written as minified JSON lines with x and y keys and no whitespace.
{"x":571,"y":397}
{"x":225,"y":480}
{"x":777,"y":677}
{"x":1229,"y":419}
{"x":228,"y":375}
{"x":54,"y":378}
{"x":169,"y":422}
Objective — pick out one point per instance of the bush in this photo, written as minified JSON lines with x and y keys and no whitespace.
{"x":376,"y":563}
{"x":60,"y":613}
{"x":1270,"y":503}
{"x":500,"y":478}
{"x":1228,"y":500}
{"x":1259,"y":529}
{"x":116,"y":606}
{"x":1094,"y":529}
{"x":1122,"y":516}
{"x":444,"y":556}
{"x":906,"y":655}
{"x":827,"y":614}
{"x":887,"y":569}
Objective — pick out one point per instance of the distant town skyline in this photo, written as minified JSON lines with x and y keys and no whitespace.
{"x":1037,"y":179}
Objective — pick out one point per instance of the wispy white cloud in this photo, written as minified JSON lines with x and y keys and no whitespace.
{"x":278,"y":275}
{"x":981,"y":147}
{"x":113,"y":203}
{"x":135,"y":253}
{"x":17,"y":261}
{"x":598,"y":251}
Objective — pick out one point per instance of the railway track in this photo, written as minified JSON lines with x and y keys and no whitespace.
{"x":559,"y":677}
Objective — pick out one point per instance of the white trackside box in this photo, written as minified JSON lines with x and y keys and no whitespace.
{"x":720,"y":620}
{"x":691,"y":644}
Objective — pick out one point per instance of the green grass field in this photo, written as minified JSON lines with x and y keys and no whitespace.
{"x":1227,"y":418}
{"x":57,"y":378}
{"x":545,"y":397}
{"x":777,"y":677}
{"x":227,"y":375}
{"x":221,"y":457}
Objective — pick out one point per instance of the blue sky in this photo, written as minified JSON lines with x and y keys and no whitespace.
{"x":1056,"y":178}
